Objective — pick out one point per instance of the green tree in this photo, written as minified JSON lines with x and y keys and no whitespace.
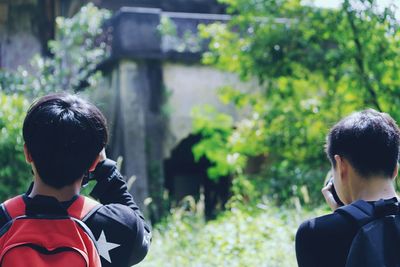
{"x":313,"y":66}
{"x":77,"y":51}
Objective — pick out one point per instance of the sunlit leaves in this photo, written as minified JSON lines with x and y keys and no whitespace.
{"x":262,"y":236}
{"x":313,"y":67}
{"x":14,"y":171}
{"x":76,"y":53}
{"x":215,"y":130}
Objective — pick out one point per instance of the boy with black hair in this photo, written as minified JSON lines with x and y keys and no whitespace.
{"x":65,"y":137}
{"x":363,"y":149}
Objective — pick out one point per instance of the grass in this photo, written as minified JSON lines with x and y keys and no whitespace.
{"x":258,"y":236}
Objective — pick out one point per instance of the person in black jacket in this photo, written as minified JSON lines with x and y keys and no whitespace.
{"x":65,"y":138}
{"x":363,"y":149}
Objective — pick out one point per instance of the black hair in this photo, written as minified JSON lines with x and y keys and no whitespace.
{"x":369,"y":140}
{"x":64,"y":134}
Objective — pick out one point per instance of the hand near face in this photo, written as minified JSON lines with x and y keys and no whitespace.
{"x":102,"y":155}
{"x":329,"y":198}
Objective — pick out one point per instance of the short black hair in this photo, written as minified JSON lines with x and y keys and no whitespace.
{"x":369,"y":140}
{"x":64,"y":134}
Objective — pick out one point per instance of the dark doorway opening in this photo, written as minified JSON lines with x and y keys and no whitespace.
{"x":184,"y":176}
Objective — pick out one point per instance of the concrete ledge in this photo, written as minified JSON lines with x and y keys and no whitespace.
{"x":136,"y":34}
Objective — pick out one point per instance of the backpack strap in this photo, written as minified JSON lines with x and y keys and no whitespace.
{"x":361,"y":212}
{"x":83,"y":207}
{"x":80,"y":209}
{"x":14,"y":207}
{"x":386,"y":207}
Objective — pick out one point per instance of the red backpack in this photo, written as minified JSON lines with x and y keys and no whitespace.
{"x":48,"y":240}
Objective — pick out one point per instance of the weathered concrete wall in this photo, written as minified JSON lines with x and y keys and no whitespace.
{"x":145,"y":126}
{"x":152,"y":88}
{"x":122,"y":97}
{"x":19,"y":37}
{"x":190,"y":86}
{"x":70,"y":7}
{"x":190,"y":6}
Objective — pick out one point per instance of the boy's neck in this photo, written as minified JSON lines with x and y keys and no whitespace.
{"x":64,"y":194}
{"x":374,"y":189}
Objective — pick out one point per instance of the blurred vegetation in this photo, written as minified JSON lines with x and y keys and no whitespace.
{"x":312,"y":67}
{"x":259,"y":236}
{"x":14,"y":171}
{"x":78,"y":49}
{"x":76,"y":53}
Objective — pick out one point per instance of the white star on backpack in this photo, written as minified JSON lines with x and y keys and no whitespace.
{"x":105,"y":247}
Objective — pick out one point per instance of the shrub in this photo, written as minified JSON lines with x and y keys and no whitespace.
{"x":14,"y":171}
{"x":262,"y":236}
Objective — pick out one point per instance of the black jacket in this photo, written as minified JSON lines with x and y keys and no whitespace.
{"x":121,"y":233}
{"x":325,"y":241}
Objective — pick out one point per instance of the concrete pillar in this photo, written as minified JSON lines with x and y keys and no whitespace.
{"x":135,"y":96}
{"x":130,"y":126}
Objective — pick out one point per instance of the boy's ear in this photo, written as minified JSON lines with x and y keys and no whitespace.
{"x":341,"y":165}
{"x":396,"y":171}
{"x":27,"y":154}
{"x":94,"y":164}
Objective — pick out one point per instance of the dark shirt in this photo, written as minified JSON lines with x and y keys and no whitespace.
{"x":121,"y":233}
{"x":325,"y":241}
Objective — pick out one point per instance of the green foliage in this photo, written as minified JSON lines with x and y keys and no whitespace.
{"x":187,"y":41}
{"x":14,"y":171}
{"x":216,"y":130}
{"x":76,"y":53}
{"x":313,"y":66}
{"x":263,"y":236}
